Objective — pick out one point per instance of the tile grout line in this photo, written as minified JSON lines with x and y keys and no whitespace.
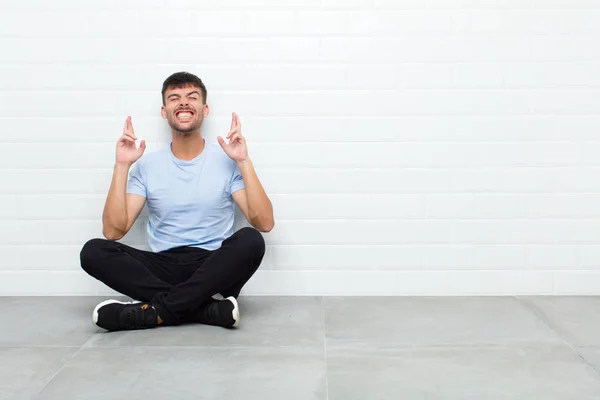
{"x":565,"y":341}
{"x":63,"y":366}
{"x":36,"y":346}
{"x":200,"y":347}
{"x":325,"y":347}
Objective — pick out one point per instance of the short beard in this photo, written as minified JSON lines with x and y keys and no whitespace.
{"x":188,"y":132}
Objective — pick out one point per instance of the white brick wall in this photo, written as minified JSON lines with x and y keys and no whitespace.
{"x":416,"y":147}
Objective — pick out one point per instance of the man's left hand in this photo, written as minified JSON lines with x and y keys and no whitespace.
{"x":236,"y":149}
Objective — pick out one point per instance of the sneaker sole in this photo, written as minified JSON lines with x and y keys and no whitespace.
{"x":95,"y":313}
{"x":236,"y":311}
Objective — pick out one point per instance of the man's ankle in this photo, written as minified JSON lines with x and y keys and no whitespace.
{"x":159,"y":320}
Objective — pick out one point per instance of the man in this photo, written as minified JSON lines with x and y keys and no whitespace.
{"x":197,"y":265}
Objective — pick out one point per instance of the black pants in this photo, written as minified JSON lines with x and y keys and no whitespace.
{"x":180,"y":281}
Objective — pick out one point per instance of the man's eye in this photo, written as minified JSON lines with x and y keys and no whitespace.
{"x":193,"y":98}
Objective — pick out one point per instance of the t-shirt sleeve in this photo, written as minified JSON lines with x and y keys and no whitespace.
{"x":137,"y":181}
{"x":237,"y":182}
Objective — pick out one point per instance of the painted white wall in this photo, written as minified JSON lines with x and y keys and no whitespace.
{"x":418,"y":147}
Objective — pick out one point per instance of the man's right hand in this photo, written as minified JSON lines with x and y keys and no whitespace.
{"x":127,"y":152}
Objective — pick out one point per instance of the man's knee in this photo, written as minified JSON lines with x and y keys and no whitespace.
{"x":91,"y":255}
{"x":253,"y":239}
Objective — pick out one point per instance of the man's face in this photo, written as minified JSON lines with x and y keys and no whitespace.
{"x":184,"y":109}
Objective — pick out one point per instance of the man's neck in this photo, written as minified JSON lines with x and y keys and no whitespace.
{"x":187,"y":147}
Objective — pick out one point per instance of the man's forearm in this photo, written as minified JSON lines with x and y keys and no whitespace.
{"x":260,"y":208}
{"x":114,"y":217}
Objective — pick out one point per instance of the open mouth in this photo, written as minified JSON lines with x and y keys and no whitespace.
{"x":184,"y":115}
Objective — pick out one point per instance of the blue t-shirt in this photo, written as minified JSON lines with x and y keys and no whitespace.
{"x":189,"y":202}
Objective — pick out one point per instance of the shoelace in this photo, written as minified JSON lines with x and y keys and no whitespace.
{"x":134,"y":317}
{"x":211,"y":312}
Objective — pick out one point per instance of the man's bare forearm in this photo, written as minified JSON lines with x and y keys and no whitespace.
{"x":260,"y":208}
{"x":114,"y":217}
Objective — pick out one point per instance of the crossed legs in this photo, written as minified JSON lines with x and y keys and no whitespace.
{"x":180,"y":282}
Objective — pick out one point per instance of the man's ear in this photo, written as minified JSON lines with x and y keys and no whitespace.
{"x":163,"y":112}
{"x":206,"y":110}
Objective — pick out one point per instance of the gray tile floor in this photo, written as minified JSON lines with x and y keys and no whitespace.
{"x":337,"y":348}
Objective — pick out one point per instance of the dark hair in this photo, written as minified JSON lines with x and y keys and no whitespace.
{"x":183,"y":79}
